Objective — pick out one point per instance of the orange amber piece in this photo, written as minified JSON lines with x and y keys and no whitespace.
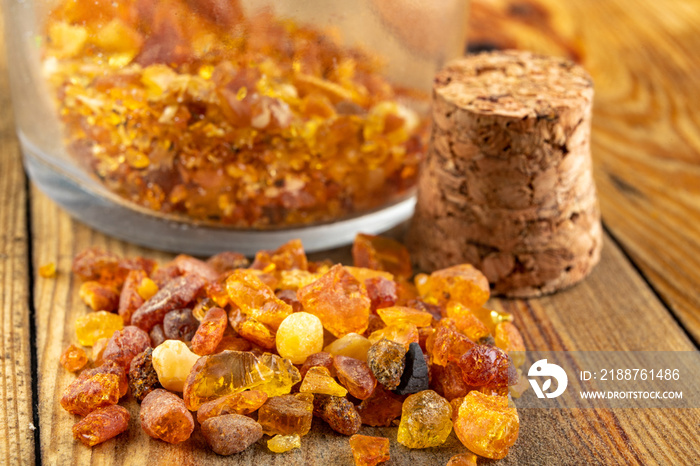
{"x":176,"y":294}
{"x":125,"y":344}
{"x":87,"y":393}
{"x":487,"y":366}
{"x":130,"y":299}
{"x":462,"y":283}
{"x":256,"y":299}
{"x":447,"y":344}
{"x":322,"y":359}
{"x":47,"y":270}
{"x":318,"y":380}
{"x":227,"y":261}
{"x":338,"y":412}
{"x":492,"y":318}
{"x":210,"y":331}
{"x":165,"y":417}
{"x":245,"y":402}
{"x":287,"y":414}
{"x":382,"y":253}
{"x":231,"y":433}
{"x":466,"y":322}
{"x":486,"y":424}
{"x":257,"y":333}
{"x":369,"y":451}
{"x":404,"y":333}
{"x":351,"y":345}
{"x":191,"y":265}
{"x":101,"y":425}
{"x":355,"y":375}
{"x":96,"y":325}
{"x":99,"y":297}
{"x":448,"y":380}
{"x":381,"y":408}
{"x":399,"y":314}
{"x":73,"y":358}
{"x":339,"y":300}
{"x":509,"y":339}
{"x":463,"y":459}
{"x":382,"y":292}
{"x":289,"y":256}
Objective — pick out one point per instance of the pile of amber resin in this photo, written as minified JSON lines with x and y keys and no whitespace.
{"x":193,"y":108}
{"x":260,"y":349}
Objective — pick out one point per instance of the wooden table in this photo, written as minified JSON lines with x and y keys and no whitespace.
{"x":644,"y":295}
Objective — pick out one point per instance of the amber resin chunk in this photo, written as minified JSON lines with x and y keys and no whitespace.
{"x":299,"y":336}
{"x":404,"y":333}
{"x":227,"y":261}
{"x":318,"y":359}
{"x":284,"y":443}
{"x":176,"y":294}
{"x":73,"y":358}
{"x":462,"y":283}
{"x":508,"y":338}
{"x":256,"y":299}
{"x":356,"y":376}
{"x":96,"y":325}
{"x":319,"y":380}
{"x":130,"y":299}
{"x":231,"y":433}
{"x":143,"y":378}
{"x":172,"y":361}
{"x":88,"y":393}
{"x":287,"y":414}
{"x":284,"y":375}
{"x":382,"y":253}
{"x":381,"y":408}
{"x":237,"y":403}
{"x":338,"y":412}
{"x":339,"y":300}
{"x":487,"y":366}
{"x":386,"y":359}
{"x":289,"y":256}
{"x":99,"y":297}
{"x":125,"y":344}
{"x":463,"y":459}
{"x":180,"y":324}
{"x":382,"y":292}
{"x":369,"y":451}
{"x":487,"y":425}
{"x":101,"y":425}
{"x":164,"y":416}
{"x":351,"y":345}
{"x":426,"y":420}
{"x":210,"y":331}
{"x":400,"y":314}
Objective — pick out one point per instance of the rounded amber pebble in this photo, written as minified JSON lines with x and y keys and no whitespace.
{"x":299,"y":336}
{"x":284,"y":443}
{"x":172,"y":361}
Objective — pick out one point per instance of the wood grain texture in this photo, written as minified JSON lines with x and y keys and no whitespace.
{"x":16,"y":434}
{"x":646,"y":128}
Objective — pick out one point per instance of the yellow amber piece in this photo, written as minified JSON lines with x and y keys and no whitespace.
{"x":173,"y":361}
{"x":256,"y":332}
{"x":299,"y":336}
{"x":287,"y":414}
{"x":462,"y":283}
{"x":426,"y":420}
{"x":363,"y":273}
{"x":96,"y":325}
{"x":382,"y":253}
{"x":508,"y":338}
{"x":284,"y":443}
{"x":351,"y":345}
{"x":66,"y":40}
{"x":466,"y":321}
{"x":318,"y":380}
{"x":403,"y":333}
{"x":48,"y":270}
{"x":486,"y":425}
{"x":339,"y":300}
{"x":399,"y":314}
{"x":492,"y":318}
{"x":295,"y":279}
{"x":147,"y":288}
{"x":284,"y":375}
{"x":256,"y":299}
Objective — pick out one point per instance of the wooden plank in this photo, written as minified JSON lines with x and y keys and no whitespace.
{"x":611,"y":310}
{"x":646,"y":134}
{"x":16,"y":434}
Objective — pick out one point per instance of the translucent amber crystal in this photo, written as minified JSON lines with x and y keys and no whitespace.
{"x":508,"y":338}
{"x":287,"y":414}
{"x":338,"y":412}
{"x":487,"y":366}
{"x":256,"y":299}
{"x":369,"y":451}
{"x":492,"y":318}
{"x":447,"y":380}
{"x":234,"y":343}
{"x":382,"y":292}
{"x":461,"y":283}
{"x":299,"y":336}
{"x":223,"y":374}
{"x":289,"y":256}
{"x":231,"y":433}
{"x":257,"y":333}
{"x":382,"y":253}
{"x":245,"y":402}
{"x":386,"y":359}
{"x":173,"y":361}
{"x":101,"y":425}
{"x":295,"y":279}
{"x":400,"y":314}
{"x":447,"y":344}
{"x":210,"y":331}
{"x":355,"y":375}
{"x":403,"y":332}
{"x":87,"y":393}
{"x":99,"y":297}
{"x":363,"y":273}
{"x":96,"y":325}
{"x":176,"y":294}
{"x":351,"y":345}
{"x":97,"y":350}
{"x":73,"y":358}
{"x":381,"y":408}
{"x":463,"y":459}
{"x":164,"y":416}
{"x":466,"y":321}
{"x":339,"y":300}
{"x":319,"y":380}
{"x":284,"y":375}
{"x":487,"y":425}
{"x":284,"y":443}
{"x":426,"y":420}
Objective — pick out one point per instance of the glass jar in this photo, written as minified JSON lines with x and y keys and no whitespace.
{"x":203,"y":125}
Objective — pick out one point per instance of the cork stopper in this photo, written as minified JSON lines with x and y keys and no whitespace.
{"x":507,"y":183}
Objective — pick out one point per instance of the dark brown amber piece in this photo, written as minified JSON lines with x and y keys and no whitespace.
{"x":101,"y":425}
{"x":73,"y":358}
{"x":369,"y":451}
{"x":99,"y":297}
{"x":338,"y":412}
{"x":287,"y":414}
{"x":322,"y":359}
{"x":382,"y":292}
{"x":355,"y":375}
{"x":143,"y":378}
{"x":176,"y":294}
{"x":231,"y":433}
{"x":157,"y":335}
{"x":339,"y":300}
{"x":227,"y":261}
{"x":165,"y":417}
{"x":180,"y":324}
{"x":382,"y":253}
{"x":88,"y":393}
{"x":245,"y":402}
{"x":381,"y":408}
{"x":129,"y":298}
{"x":487,"y":366}
{"x":210,"y":331}
{"x":125,"y":344}
{"x":386,"y":359}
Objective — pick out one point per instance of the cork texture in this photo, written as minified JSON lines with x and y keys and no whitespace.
{"x":507,"y":182}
